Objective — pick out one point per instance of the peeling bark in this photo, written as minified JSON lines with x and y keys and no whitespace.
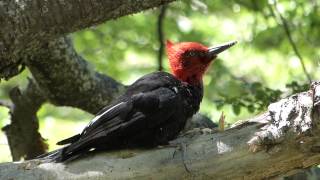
{"x":241,"y":152}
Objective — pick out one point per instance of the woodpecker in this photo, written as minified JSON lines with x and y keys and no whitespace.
{"x":153,"y":110}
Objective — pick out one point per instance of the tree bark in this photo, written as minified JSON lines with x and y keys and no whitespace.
{"x":24,"y":23}
{"x":283,"y":140}
{"x":66,"y":79}
{"x":23,"y":137}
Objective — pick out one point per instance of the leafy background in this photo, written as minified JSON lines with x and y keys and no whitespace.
{"x":259,"y":70}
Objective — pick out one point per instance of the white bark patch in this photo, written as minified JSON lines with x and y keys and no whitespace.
{"x":223,"y":148}
{"x":293,"y":114}
{"x":57,"y":166}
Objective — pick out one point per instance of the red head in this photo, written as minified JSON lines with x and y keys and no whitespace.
{"x":190,"y":60}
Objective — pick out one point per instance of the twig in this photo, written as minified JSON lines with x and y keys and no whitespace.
{"x":6,"y":104}
{"x":291,"y":41}
{"x":183,"y":148}
{"x":183,"y":156}
{"x":161,"y":36}
{"x":222,"y":121}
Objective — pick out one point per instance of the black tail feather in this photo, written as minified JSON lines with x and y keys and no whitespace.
{"x":59,"y":155}
{"x":69,"y":140}
{"x":54,"y":156}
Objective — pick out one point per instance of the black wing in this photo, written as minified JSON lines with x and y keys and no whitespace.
{"x":147,"y":83}
{"x":140,"y":112}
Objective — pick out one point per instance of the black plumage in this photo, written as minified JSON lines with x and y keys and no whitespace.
{"x":151,"y":112}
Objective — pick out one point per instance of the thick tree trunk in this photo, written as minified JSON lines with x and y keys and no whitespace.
{"x":282,"y":140}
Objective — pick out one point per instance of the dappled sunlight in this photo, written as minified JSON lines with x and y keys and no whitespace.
{"x":58,"y":123}
{"x":4,"y":148}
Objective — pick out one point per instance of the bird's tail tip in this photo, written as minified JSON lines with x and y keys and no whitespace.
{"x":55,"y":156}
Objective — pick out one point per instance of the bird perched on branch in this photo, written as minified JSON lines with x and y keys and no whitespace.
{"x":153,"y":110}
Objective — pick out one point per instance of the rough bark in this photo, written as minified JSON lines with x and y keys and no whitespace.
{"x":66,"y":79}
{"x":23,"y":136}
{"x":24,"y":23}
{"x":283,"y":140}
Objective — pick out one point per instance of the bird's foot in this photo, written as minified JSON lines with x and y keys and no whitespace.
{"x":182,"y":147}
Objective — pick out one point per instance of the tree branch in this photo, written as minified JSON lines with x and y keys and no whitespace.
{"x":282,"y":140}
{"x":6,"y":104}
{"x":22,"y":134}
{"x":55,"y":18}
{"x":24,"y":24}
{"x":161,"y":35}
{"x":67,"y":79}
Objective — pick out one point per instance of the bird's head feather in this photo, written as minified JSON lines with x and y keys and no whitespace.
{"x":189,"y":60}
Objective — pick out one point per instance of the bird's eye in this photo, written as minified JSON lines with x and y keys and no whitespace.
{"x":192,"y":53}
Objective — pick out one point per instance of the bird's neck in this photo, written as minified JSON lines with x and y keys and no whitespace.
{"x":190,"y":78}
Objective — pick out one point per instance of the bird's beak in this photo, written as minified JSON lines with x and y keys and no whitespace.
{"x":214,"y":51}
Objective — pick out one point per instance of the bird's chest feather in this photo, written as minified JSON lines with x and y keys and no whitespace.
{"x":191,"y":97}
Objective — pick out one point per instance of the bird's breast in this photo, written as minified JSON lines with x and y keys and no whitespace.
{"x":191,"y":98}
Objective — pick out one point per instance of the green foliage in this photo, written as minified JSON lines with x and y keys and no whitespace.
{"x":257,"y":97}
{"x":296,"y":88}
